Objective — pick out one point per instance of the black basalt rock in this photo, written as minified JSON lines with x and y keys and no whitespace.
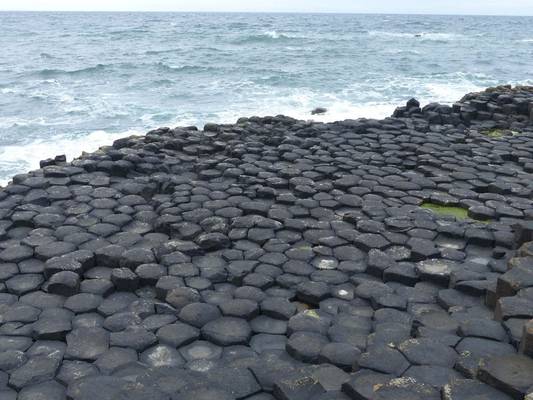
{"x":278,"y":259}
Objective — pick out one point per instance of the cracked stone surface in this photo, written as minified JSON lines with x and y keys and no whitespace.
{"x":277,"y":258}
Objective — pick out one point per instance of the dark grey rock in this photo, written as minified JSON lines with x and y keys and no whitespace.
{"x":422,"y":351}
{"x":115,"y":358}
{"x":463,"y":389}
{"x":177,"y":334}
{"x":473,"y":350}
{"x":121,"y":320}
{"x":201,"y":350}
{"x":227,"y":331}
{"x":46,"y":391}
{"x":134,"y":337}
{"x":198,"y":314}
{"x":384,"y":359}
{"x":239,"y":382}
{"x":433,"y":375}
{"x":483,"y":328}
{"x":182,"y":296}
{"x":512,"y":374}
{"x":83,"y":302}
{"x":263,"y":324}
{"x":278,"y":308}
{"x":38,"y":369}
{"x":342,"y":355}
{"x":306,"y":346}
{"x":73,"y":370}
{"x":124,"y":279}
{"x":87,"y":343}
{"x":239,"y":308}
{"x":404,"y":388}
{"x":363,"y":384}
{"x":64,"y":283}
{"x":204,"y":394}
{"x":51,"y":328}
{"x":12,"y":359}
{"x":134,"y":257}
{"x":24,"y":283}
{"x":161,"y":356}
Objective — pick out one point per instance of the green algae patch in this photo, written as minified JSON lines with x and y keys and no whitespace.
{"x":499,"y":133}
{"x":458,"y":212}
{"x":494,"y":133}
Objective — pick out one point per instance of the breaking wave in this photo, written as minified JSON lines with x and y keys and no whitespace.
{"x":266,"y":37}
{"x":26,"y":156}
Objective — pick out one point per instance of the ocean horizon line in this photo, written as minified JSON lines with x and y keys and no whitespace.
{"x":262,"y":12}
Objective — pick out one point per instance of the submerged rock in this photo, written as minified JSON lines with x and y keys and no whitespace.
{"x":319,"y":110}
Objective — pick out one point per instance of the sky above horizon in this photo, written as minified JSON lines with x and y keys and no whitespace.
{"x":480,"y":7}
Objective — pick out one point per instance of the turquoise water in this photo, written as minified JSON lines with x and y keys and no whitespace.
{"x":75,"y":81}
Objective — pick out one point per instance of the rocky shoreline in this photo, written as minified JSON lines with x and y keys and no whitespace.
{"x":279,"y":259}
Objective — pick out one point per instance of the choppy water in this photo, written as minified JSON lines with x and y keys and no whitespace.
{"x":74,"y":81}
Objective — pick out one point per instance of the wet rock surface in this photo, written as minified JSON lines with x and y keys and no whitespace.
{"x":277,"y":258}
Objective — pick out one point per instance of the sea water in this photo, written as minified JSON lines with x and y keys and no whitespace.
{"x":71,"y":82}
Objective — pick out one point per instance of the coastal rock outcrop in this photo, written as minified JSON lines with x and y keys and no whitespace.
{"x":277,"y":258}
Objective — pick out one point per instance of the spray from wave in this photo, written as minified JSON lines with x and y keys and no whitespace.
{"x":275,"y":35}
{"x":26,"y":156}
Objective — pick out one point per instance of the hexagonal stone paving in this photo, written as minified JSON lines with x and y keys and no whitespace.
{"x":279,"y":259}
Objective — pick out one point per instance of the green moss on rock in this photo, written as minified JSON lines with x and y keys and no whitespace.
{"x":499,"y":133}
{"x":457,"y":212}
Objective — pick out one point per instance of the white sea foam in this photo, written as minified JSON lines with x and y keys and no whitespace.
{"x":298,"y":104}
{"x":266,"y":36}
{"x":273,"y":34}
{"x":368,"y":99}
{"x":440,"y":36}
{"x":277,"y":35}
{"x":24,"y":157}
{"x":8,"y":91}
{"x":449,"y":92}
{"x":8,"y":122}
{"x":65,"y":98}
{"x":446,"y":88}
{"x":374,"y":100}
{"x":405,"y":52}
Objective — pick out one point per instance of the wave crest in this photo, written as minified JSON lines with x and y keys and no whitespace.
{"x":47,"y":72}
{"x":183,"y":68}
{"x":265,"y":37}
